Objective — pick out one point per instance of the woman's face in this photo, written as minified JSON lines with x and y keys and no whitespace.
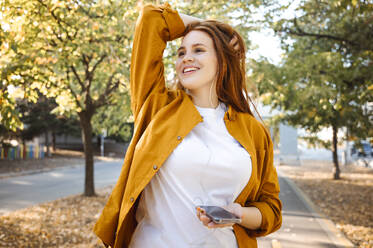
{"x":196,"y":64}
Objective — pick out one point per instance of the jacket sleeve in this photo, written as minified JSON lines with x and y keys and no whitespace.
{"x":268,"y":203}
{"x":155,"y":26}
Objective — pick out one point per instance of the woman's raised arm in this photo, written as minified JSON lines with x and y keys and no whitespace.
{"x":155,"y":26}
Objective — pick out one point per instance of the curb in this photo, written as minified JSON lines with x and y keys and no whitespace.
{"x":31,"y":172}
{"x":335,"y":235}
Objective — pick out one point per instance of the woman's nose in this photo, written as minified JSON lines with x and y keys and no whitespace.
{"x":188,"y":58}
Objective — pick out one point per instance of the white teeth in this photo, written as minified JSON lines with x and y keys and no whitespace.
{"x":190,"y":69}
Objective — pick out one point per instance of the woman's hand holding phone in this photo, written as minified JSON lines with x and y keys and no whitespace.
{"x":233,"y":208}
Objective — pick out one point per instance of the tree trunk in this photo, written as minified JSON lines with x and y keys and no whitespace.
{"x":54,"y":140}
{"x":24,"y":149}
{"x":337,"y":171}
{"x":85,"y":123}
{"x":47,"y":143}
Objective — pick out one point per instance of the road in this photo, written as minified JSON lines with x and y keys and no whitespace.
{"x":24,"y":191}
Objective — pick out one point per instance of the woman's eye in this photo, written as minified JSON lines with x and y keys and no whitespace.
{"x":198,"y":50}
{"x":180,"y":54}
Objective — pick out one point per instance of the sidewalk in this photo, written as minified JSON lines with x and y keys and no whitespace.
{"x":303,"y":225}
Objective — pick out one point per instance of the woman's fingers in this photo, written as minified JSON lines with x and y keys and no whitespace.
{"x":214,"y":225}
{"x":234,"y":43}
{"x":206,"y":221}
{"x":201,"y":214}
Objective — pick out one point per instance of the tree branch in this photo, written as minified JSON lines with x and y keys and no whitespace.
{"x":90,"y":73}
{"x":93,"y":16}
{"x":300,"y":32}
{"x":110,"y":87}
{"x":71,"y":89}
{"x":52,"y":43}
{"x":55,"y":17}
{"x":74,"y":95}
{"x":86,"y":60}
{"x":78,"y":78}
{"x":98,"y":62}
{"x":57,"y":36}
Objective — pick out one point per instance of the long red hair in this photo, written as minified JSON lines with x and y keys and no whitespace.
{"x":231,"y":74}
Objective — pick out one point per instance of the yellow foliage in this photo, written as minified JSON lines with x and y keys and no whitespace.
{"x":95,"y":26}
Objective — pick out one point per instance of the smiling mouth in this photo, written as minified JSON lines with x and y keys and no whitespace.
{"x":190,"y":70}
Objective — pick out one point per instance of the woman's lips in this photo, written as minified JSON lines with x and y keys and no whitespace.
{"x":190,"y":70}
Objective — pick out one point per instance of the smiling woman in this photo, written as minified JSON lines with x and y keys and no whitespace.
{"x":220,"y":51}
{"x":193,"y":147}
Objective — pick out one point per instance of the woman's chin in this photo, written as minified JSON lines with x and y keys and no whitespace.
{"x":191,"y":84}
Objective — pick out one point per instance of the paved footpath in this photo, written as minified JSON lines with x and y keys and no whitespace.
{"x":302,"y":226}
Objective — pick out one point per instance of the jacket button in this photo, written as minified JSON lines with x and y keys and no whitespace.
{"x":155,"y":167}
{"x":178,"y":137}
{"x":132,"y":199}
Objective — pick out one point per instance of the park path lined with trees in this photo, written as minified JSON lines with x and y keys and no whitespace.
{"x":65,"y":63}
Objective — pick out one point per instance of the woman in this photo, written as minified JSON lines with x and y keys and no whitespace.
{"x":197,"y":145}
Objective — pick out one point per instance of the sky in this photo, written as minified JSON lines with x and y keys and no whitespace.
{"x":267,"y":46}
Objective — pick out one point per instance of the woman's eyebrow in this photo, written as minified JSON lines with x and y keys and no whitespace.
{"x":194,"y":45}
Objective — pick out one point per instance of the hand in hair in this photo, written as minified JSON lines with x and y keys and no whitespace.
{"x":234,"y":43}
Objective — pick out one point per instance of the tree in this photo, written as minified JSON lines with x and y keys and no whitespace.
{"x":79,"y":55}
{"x":9,"y":117}
{"x":38,"y":119}
{"x":115,"y":120}
{"x":12,"y":64}
{"x":325,"y":77}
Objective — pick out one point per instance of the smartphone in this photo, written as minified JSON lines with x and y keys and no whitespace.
{"x":219,"y":215}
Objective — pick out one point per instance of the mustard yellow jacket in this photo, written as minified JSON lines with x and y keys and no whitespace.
{"x":162,"y":119}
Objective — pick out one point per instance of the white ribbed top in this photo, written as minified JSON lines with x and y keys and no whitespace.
{"x":209,"y":167}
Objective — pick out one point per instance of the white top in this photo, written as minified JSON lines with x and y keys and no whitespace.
{"x":209,"y":167}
